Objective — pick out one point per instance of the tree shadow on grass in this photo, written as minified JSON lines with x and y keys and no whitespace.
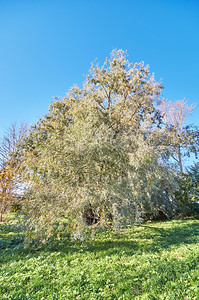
{"x":147,"y":239}
{"x":153,"y":279}
{"x":137,"y":240}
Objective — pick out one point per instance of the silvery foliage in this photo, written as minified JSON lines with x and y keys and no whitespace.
{"x":96,"y":151}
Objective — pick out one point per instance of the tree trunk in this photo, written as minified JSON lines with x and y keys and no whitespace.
{"x":180,"y":161}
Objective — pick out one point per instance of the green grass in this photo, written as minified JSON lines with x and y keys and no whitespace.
{"x":158,"y":260}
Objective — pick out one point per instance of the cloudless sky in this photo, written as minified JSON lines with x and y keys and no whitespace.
{"x":47,"y":46}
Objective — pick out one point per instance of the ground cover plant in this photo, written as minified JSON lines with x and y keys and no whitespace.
{"x":157,"y":260}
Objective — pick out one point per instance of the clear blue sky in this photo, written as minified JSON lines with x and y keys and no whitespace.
{"x":47,"y":46}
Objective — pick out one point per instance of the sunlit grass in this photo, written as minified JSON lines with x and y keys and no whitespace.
{"x":156,"y":260}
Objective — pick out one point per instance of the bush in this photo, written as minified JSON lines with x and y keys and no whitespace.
{"x":188,"y":194}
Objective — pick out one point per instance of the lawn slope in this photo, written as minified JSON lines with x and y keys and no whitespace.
{"x":158,"y":260}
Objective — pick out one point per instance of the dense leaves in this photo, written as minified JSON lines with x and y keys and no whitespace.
{"x":103,"y":155}
{"x":188,"y":193}
{"x":95,"y":157}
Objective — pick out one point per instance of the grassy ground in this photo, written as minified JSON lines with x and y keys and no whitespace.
{"x":157,"y":260}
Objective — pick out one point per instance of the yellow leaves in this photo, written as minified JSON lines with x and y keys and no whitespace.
{"x":7,"y":186}
{"x":7,"y":176}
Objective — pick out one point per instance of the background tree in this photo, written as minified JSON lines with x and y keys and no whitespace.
{"x":94,"y":156}
{"x":188,"y":192}
{"x":9,"y":166}
{"x":180,"y":139}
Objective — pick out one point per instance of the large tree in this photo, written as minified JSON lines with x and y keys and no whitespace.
{"x":94,"y":157}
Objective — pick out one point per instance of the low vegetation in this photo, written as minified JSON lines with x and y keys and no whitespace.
{"x":157,"y":260}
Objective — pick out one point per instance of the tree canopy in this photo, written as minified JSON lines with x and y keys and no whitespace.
{"x":98,"y":157}
{"x":181,"y":139}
